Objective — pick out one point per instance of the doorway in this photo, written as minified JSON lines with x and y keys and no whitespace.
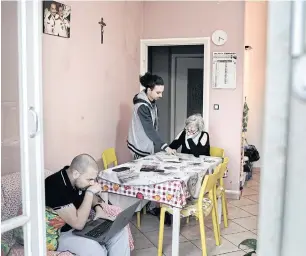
{"x":181,"y":67}
{"x":184,"y":66}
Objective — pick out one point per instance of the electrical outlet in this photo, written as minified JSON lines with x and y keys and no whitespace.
{"x":216,"y":106}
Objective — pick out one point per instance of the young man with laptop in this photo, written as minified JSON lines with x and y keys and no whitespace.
{"x":71,"y":193}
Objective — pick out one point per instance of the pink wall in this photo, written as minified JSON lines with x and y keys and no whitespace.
{"x":10,"y":146}
{"x":255,"y":36}
{"x":88,"y":87}
{"x":200,"y":19}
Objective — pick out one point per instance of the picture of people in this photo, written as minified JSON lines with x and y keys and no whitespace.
{"x":56,"y":19}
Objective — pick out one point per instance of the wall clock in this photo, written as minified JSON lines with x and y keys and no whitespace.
{"x":219,"y":37}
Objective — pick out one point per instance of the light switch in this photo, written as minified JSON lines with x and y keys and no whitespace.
{"x":216,"y":106}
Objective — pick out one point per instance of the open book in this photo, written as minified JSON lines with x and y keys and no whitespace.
{"x":168,"y":158}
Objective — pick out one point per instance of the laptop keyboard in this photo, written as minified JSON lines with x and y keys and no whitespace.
{"x":99,"y":230}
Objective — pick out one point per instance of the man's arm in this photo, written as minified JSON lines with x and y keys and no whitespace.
{"x":77,"y":218}
{"x":147,"y":123}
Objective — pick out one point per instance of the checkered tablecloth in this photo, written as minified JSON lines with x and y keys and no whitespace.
{"x":179,"y":181}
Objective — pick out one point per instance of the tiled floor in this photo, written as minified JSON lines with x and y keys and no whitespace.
{"x":242,"y":225}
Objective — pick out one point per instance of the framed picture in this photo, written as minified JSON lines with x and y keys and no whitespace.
{"x":56,"y":19}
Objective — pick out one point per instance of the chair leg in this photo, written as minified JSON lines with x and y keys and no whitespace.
{"x":224,"y":210}
{"x":161,"y":231}
{"x":202,"y":233}
{"x":138,"y":219}
{"x":144,"y":210}
{"x":216,"y":225}
{"x":187,"y":220}
{"x":217,"y":217}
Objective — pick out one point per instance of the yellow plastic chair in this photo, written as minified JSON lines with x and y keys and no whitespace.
{"x":199,"y":208}
{"x":220,"y":191}
{"x":109,"y":157}
{"x":218,"y":152}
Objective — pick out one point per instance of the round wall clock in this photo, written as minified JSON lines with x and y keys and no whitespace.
{"x":219,"y":37}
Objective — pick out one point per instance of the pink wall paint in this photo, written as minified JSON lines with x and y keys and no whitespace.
{"x":10,"y":145}
{"x":88,"y":87}
{"x":256,"y":36}
{"x":200,"y":19}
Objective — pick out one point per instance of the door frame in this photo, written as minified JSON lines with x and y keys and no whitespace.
{"x":32,"y":219}
{"x":173,"y":88}
{"x":205,"y":41}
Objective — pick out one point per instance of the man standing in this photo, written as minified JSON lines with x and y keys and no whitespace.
{"x":50,"y":17}
{"x":61,"y":24}
{"x":71,"y":193}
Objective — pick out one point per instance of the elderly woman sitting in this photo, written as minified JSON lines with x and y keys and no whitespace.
{"x":193,"y":139}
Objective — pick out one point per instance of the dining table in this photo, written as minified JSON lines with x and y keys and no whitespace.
{"x":160,"y":178}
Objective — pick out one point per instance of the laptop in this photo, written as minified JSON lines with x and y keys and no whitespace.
{"x":102,"y":230}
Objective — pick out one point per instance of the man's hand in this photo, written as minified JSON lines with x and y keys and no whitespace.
{"x":101,"y":214}
{"x":170,"y":151}
{"x":95,"y":188}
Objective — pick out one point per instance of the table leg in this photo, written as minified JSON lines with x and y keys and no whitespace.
{"x":176,"y":231}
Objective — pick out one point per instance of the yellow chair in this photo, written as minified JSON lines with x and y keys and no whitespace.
{"x":220,"y":191}
{"x":219,"y":152}
{"x":199,"y":208}
{"x":109,"y":157}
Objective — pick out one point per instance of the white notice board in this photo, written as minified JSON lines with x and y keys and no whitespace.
{"x":224,"y":70}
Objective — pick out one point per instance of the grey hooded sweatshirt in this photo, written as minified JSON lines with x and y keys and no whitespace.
{"x":143,"y":138}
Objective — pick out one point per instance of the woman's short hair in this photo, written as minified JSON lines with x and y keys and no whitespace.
{"x":197,"y":120}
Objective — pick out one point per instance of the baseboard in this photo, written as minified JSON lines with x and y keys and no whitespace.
{"x":233,"y":194}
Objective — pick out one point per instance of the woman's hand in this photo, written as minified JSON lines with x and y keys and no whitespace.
{"x":170,"y":151}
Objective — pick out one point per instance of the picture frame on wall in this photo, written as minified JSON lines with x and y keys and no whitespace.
{"x":56,"y":19}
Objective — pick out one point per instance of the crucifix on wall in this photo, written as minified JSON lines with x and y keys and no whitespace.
{"x":102,"y":24}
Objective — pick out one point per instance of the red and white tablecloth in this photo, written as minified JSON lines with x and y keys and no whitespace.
{"x":178,"y":182}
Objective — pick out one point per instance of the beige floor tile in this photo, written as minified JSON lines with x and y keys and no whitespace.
{"x":250,"y":223}
{"x":148,"y":223}
{"x":253,"y":209}
{"x":141,"y":242}
{"x":193,"y":232}
{"x":239,"y":253}
{"x":256,"y":188}
{"x":236,"y":239}
{"x":186,"y":248}
{"x":145,"y":252}
{"x":254,"y":231}
{"x":235,"y":212}
{"x":251,"y":183}
{"x":256,"y":177}
{"x":153,"y":237}
{"x":242,"y":202}
{"x":212,"y":249}
{"x":248,"y":192}
{"x":134,"y":230}
{"x":231,"y":229}
{"x":254,"y":198}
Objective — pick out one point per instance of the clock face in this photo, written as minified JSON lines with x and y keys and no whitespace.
{"x":219,"y":37}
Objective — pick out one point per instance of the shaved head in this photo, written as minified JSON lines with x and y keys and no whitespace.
{"x":83,"y":163}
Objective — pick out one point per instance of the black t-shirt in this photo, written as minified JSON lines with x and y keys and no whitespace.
{"x":60,"y":193}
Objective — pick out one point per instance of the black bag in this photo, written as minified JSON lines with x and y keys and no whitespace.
{"x":251,"y":152}
{"x":247,"y":167}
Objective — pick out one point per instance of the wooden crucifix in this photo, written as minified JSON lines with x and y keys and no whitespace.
{"x":102,"y":24}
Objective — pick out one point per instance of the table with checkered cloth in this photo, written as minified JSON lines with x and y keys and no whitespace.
{"x":178,"y":182}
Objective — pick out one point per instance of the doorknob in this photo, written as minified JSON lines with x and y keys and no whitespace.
{"x":35,"y":117}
